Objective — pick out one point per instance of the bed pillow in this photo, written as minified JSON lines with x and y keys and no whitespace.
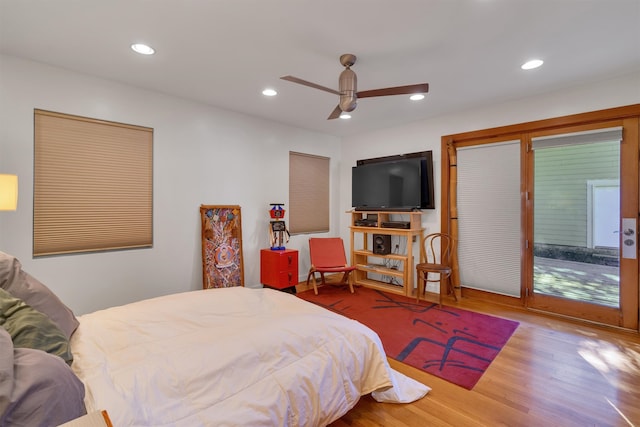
{"x":45,"y":391}
{"x":22,"y":285}
{"x":31,"y":329}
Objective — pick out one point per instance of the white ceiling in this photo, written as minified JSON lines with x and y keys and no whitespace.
{"x":224,"y":52}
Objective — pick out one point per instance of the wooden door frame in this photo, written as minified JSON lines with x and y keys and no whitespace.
{"x":626,"y":116}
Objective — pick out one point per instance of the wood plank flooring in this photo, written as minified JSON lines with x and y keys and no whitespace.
{"x":552,"y":372}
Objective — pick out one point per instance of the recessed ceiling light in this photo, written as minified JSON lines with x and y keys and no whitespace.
{"x":345,"y":116}
{"x":416,"y":97}
{"x":269,"y":92}
{"x":142,"y":49}
{"x":530,"y":65}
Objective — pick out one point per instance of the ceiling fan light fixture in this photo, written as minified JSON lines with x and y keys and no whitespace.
{"x":143,"y":49}
{"x":348,"y":89}
{"x":530,"y":65}
{"x":269,"y":92}
{"x":417,"y":97}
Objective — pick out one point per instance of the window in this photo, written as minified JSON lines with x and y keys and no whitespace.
{"x":92,"y":185}
{"x":308,"y":193}
{"x":570,"y":172}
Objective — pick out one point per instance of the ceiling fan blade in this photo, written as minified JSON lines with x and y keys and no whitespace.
{"x":335,"y":113}
{"x":398,"y":90}
{"x":306,"y":83}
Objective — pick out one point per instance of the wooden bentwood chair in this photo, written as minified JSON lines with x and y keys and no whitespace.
{"x":328,"y":256}
{"x":435,"y":257}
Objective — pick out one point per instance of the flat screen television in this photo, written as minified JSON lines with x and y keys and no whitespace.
{"x":393,"y":183}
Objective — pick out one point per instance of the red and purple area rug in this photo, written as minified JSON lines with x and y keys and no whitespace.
{"x":453,"y":344}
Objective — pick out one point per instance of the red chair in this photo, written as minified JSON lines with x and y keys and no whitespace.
{"x":328,"y":256}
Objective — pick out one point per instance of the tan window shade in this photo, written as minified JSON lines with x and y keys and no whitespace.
{"x":308,"y":193}
{"x":93,"y":185}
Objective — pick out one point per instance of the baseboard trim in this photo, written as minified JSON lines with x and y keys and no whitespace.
{"x":492,"y":297}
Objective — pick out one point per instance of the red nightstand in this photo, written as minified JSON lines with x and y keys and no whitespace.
{"x":279,"y":269}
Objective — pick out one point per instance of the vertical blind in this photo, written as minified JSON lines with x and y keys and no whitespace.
{"x":92,"y":185}
{"x":489,"y":217}
{"x":308,"y":193}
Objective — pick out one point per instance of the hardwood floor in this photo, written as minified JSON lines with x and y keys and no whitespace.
{"x":552,"y":372}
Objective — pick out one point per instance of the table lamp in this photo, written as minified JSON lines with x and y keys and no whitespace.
{"x":8,"y":192}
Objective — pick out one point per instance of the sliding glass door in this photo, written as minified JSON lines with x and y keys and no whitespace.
{"x":579,"y":235}
{"x":546,"y":214}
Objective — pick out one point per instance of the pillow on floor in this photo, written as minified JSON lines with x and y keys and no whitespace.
{"x":31,"y":329}
{"x":22,"y":285}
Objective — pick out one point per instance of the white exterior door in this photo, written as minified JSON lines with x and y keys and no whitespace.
{"x":605,"y":213}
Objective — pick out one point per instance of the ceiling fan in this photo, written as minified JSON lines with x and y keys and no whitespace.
{"x":348,"y":83}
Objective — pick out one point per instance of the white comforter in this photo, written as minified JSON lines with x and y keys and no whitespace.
{"x":230,"y":356}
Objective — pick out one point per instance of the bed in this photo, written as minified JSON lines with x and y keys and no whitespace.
{"x":223,"y":357}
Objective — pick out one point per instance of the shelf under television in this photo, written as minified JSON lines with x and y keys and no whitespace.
{"x":366,"y":252}
{"x":385,"y":271}
{"x":382,"y":286}
{"x":367,"y":262}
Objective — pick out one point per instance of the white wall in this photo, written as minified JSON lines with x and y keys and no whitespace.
{"x":426,"y":134}
{"x":198,"y":151}
{"x":202,"y":155}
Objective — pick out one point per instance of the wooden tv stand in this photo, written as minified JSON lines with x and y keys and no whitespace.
{"x":389,"y":268}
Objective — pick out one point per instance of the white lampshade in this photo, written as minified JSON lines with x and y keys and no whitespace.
{"x":8,"y":192}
